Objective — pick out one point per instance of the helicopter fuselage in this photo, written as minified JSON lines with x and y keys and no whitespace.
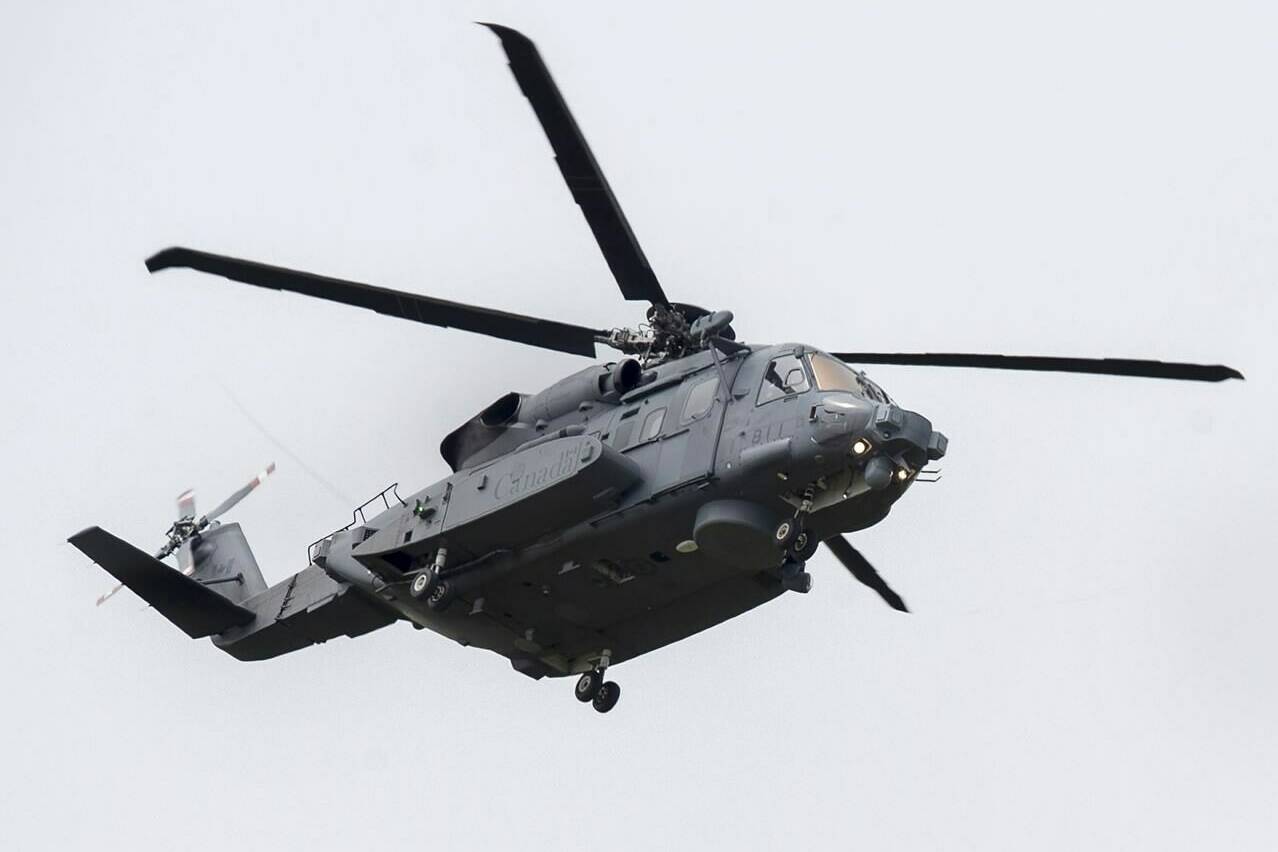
{"x":623,"y":509}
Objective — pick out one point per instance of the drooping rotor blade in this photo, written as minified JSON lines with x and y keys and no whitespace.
{"x":864,"y":571}
{"x":580,"y":170}
{"x":547,"y":334}
{"x":1041,"y":363}
{"x":240,"y":494}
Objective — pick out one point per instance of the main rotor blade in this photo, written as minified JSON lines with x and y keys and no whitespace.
{"x":580,"y":170}
{"x":864,"y":571}
{"x":240,"y":494}
{"x":547,"y":334}
{"x":1041,"y":363}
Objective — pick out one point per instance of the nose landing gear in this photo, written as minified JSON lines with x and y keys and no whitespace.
{"x":588,"y":686}
{"x":803,"y":547}
{"x":607,"y":697}
{"x":798,"y":545}
{"x":592,"y":687}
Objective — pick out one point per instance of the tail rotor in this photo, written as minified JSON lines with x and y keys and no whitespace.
{"x":188,"y":526}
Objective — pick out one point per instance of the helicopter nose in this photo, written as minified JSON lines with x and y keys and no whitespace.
{"x":898,"y":434}
{"x":892,"y":442}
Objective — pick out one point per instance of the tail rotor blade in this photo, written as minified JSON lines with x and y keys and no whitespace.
{"x":185,"y":565}
{"x":239,"y":495}
{"x":186,"y":509}
{"x":104,"y":598}
{"x":186,"y":503}
{"x":863,"y":571}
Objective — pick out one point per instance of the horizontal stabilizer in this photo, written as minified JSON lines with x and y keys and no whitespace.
{"x":189,"y":604}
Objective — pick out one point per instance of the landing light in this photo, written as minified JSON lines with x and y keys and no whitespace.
{"x":903,"y":474}
{"x":860,"y":446}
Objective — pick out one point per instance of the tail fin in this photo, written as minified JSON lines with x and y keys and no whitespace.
{"x":222,"y":561}
{"x":190,"y":604}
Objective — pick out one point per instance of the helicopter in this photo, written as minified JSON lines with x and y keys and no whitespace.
{"x":630,"y":505}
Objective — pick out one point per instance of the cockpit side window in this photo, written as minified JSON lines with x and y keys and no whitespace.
{"x":875,"y":392}
{"x":784,"y":377}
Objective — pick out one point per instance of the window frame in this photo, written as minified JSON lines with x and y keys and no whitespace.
{"x":859,"y":386}
{"x":785,"y":394}
{"x":713,"y":381}
{"x":660,"y":415}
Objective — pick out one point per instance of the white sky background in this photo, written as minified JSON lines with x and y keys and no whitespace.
{"x":1090,"y":663}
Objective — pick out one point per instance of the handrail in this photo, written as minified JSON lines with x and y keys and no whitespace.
{"x":357,"y":517}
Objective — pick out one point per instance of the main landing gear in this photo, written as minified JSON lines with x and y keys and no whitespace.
{"x":429,"y":586}
{"x":591,"y":686}
{"x":437,"y":591}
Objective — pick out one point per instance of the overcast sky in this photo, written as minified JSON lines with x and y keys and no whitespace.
{"x":1090,"y":663}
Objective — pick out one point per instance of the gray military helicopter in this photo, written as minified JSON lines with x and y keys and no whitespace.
{"x":627,"y":506}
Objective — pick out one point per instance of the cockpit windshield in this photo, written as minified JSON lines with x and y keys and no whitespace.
{"x":833,"y":375}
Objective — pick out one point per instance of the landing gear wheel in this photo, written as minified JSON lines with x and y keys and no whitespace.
{"x":607,"y":696}
{"x":588,"y":686}
{"x":441,"y":596}
{"x":785,"y":533}
{"x":804,"y":546}
{"x":423,"y":584}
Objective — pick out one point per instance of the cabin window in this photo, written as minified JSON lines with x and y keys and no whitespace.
{"x":700,"y":399}
{"x":624,"y":431}
{"x":652,"y":425}
{"x":784,"y":377}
